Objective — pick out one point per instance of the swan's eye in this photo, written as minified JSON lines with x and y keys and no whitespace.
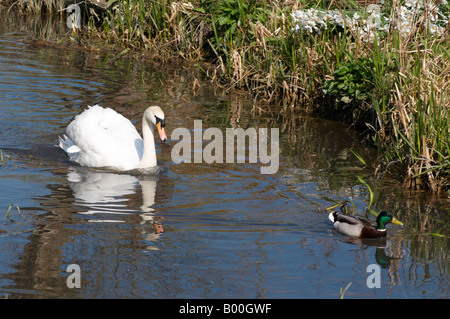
{"x":158,"y":120}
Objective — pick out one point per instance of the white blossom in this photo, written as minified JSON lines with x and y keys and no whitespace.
{"x":314,"y":21}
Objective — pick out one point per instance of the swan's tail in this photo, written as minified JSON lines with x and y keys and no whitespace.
{"x":69,"y":147}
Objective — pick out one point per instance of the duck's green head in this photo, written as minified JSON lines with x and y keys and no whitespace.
{"x":385,"y":218}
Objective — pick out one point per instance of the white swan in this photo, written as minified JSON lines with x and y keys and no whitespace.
{"x":101,"y":137}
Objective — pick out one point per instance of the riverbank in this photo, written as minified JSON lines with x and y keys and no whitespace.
{"x":382,"y":67}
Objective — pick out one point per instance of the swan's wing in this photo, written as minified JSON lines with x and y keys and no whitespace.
{"x":105,"y":138}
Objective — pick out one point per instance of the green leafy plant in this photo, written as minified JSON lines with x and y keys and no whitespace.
{"x":230,"y":15}
{"x":352,"y":80}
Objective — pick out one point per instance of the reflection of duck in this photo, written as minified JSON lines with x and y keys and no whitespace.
{"x":359,"y":227}
{"x":101,"y":137}
{"x":380,"y":244}
{"x":382,"y":259}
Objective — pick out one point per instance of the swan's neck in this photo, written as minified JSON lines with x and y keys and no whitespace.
{"x":149,"y":153}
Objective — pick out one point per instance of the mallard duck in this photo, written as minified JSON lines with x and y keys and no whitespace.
{"x":359,"y":227}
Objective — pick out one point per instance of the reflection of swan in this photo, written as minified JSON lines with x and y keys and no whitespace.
{"x":100,"y":188}
{"x":101,"y":137}
{"x":104,"y":193}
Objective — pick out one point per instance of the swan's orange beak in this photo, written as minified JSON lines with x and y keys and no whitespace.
{"x":161,"y":132}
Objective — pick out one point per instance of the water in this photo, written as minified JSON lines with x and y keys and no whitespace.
{"x":197,"y":230}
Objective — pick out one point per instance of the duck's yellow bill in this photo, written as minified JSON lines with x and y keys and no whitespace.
{"x":396,"y":221}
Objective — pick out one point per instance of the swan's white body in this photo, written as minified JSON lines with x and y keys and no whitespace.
{"x":101,"y":137}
